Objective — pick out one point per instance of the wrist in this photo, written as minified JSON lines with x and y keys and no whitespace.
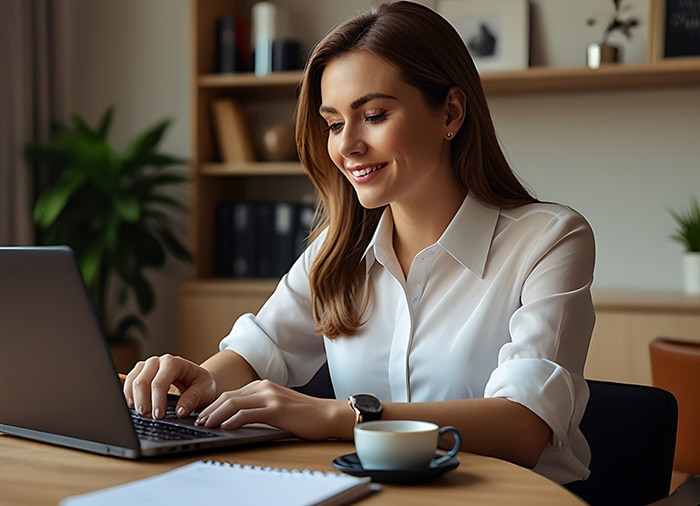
{"x":341,"y":420}
{"x":367,"y":407}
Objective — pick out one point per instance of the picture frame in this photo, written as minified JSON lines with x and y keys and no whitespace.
{"x":675,"y":29}
{"x":496,"y":33}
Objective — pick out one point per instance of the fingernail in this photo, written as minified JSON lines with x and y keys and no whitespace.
{"x":181,"y":412}
{"x":156,"y":413}
{"x":201,"y":420}
{"x":140,"y":409}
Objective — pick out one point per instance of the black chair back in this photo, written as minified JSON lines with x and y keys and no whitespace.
{"x":631,"y":430}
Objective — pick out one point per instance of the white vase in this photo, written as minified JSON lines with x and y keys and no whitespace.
{"x":691,"y":272}
{"x":601,"y":54}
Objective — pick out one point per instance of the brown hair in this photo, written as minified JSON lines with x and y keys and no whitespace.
{"x":431,"y":56}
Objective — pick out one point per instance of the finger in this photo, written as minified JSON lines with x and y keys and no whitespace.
{"x":142,"y":385}
{"x":160,"y":385}
{"x":230,"y":403}
{"x":246,"y":416}
{"x":129,"y":383}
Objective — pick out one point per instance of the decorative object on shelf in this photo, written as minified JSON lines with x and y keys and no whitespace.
{"x":287,"y":55}
{"x":232,"y":132}
{"x":675,"y":29}
{"x":688,"y":234}
{"x":264,"y":32}
{"x":602,"y":52}
{"x":497,"y":34}
{"x":112,"y":209}
{"x":278,"y":144}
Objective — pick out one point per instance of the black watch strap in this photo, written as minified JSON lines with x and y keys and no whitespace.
{"x":367,"y":407}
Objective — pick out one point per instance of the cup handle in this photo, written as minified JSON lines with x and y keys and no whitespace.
{"x":453,"y":451}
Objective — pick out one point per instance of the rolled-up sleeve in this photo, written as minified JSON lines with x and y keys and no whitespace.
{"x":542,"y":365}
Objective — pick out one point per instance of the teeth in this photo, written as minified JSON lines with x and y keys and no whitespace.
{"x":364,"y":172}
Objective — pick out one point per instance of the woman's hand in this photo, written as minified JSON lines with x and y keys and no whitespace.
{"x":264,"y":401}
{"x":147,"y":384}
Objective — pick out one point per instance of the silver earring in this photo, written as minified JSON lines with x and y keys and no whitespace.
{"x":448,"y":135}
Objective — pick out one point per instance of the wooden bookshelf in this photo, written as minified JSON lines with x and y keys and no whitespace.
{"x":214,"y":182}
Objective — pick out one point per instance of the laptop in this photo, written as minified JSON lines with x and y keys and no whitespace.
{"x":58,"y":383}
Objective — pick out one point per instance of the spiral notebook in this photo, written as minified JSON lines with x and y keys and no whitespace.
{"x":208,"y":482}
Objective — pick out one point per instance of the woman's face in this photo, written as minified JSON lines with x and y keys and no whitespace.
{"x":381,"y":135}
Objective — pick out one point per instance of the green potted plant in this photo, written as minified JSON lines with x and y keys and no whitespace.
{"x":111,"y":208}
{"x":601,"y":51}
{"x":688,"y":234}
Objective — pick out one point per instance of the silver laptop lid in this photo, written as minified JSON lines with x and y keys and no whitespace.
{"x":57,"y":378}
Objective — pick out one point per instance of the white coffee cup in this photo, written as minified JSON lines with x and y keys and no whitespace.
{"x":401,"y":444}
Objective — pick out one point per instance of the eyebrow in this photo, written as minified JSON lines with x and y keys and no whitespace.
{"x":358,"y":103}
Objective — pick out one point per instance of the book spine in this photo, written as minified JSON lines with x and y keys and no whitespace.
{"x":244,"y":240}
{"x":265,"y":224}
{"x":228,"y":56}
{"x":232,"y":132}
{"x":223,"y":240}
{"x":305,"y":218}
{"x":284,"y":237}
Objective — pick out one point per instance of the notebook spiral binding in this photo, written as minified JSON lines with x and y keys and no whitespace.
{"x":249,"y":467}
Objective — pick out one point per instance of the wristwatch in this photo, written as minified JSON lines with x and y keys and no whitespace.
{"x":366,"y":406}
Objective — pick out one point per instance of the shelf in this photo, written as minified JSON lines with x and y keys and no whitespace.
{"x":665,"y":74}
{"x":252,"y":169}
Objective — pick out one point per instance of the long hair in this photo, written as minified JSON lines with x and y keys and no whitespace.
{"x":430,"y":55}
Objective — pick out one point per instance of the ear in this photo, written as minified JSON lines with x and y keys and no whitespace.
{"x":455,"y":109}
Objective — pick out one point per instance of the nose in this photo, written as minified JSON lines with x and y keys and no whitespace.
{"x":351,"y":142}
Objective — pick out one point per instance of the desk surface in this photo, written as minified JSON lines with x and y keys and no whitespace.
{"x":39,"y":474}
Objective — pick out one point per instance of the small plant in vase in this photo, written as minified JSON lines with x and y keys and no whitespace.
{"x":688,"y":234}
{"x":602,"y":52}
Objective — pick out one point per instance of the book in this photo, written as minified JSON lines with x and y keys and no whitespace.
{"x":305,"y":218}
{"x":284,"y":251}
{"x":211,"y":482}
{"x":259,"y":239}
{"x":244,"y":240}
{"x":229,"y":57}
{"x":232,"y":132}
{"x":265,"y":228}
{"x":223,"y":244}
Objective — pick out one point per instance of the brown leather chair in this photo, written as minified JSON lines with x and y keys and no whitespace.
{"x":675,"y":366}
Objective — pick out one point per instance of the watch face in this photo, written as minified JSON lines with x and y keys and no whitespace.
{"x":367,"y":403}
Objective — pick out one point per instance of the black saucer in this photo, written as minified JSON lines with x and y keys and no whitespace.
{"x":350,"y":464}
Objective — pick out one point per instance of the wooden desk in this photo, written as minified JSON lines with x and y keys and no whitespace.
{"x":33,"y":474}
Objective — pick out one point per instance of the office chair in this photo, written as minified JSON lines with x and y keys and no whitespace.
{"x":320,"y":385}
{"x":631,"y":430}
{"x":686,"y":494}
{"x":675,"y":366}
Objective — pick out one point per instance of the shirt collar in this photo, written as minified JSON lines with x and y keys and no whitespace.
{"x":467,"y":238}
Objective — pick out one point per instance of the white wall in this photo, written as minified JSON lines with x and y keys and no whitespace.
{"x":621,"y":158}
{"x":134,"y":54}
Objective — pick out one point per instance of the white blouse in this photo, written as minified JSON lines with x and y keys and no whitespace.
{"x":500,"y":306}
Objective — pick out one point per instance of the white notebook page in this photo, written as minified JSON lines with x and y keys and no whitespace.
{"x":223,"y":483}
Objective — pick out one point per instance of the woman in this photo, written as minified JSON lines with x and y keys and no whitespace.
{"x":434,"y":280}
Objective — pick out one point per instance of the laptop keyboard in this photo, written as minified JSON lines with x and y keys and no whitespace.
{"x":157,"y":430}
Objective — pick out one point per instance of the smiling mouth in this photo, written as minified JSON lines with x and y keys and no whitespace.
{"x":366,"y":171}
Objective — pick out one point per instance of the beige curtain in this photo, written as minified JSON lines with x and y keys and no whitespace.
{"x":26,"y":90}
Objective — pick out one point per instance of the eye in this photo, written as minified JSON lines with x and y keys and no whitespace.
{"x":376,"y":118}
{"x":334,"y":127}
